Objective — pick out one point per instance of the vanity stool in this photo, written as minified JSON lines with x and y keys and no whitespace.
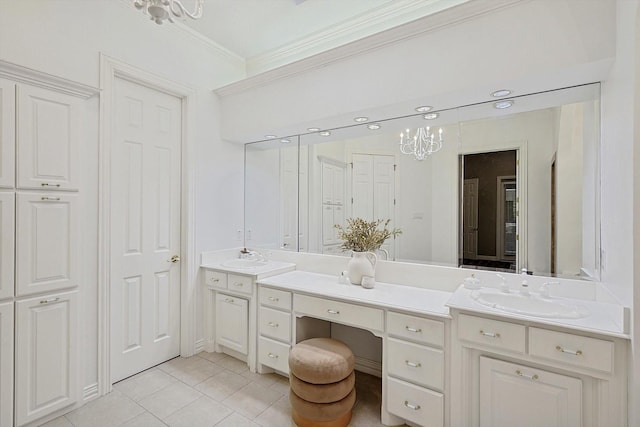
{"x":322,"y":383}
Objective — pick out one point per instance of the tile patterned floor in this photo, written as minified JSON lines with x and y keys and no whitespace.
{"x":207,"y":390}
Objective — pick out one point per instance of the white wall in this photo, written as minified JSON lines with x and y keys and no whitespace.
{"x":64,"y":38}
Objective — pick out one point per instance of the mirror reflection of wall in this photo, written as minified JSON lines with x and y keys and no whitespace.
{"x":541,"y":214}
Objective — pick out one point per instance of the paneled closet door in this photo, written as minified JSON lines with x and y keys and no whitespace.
{"x":7,"y":229}
{"x":7,"y":133}
{"x":46,"y":242}
{"x":48,"y":133}
{"x":6,"y":364}
{"x":46,"y":360}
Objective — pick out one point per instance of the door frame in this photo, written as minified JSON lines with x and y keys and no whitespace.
{"x":110,"y":69}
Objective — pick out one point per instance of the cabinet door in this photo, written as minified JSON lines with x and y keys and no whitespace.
{"x":516,"y":395}
{"x":48,"y":133}
{"x":232,"y":322}
{"x":7,"y":133}
{"x":46,"y":242}
{"x":46,"y":361}
{"x":6,"y":364}
{"x":7,"y":227}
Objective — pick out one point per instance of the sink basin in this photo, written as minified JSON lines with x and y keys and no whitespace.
{"x":244,"y":263}
{"x":530,"y":305}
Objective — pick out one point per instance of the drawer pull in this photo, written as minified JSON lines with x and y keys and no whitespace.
{"x":273,"y":325}
{"x":414,"y":330}
{"x":411,"y":405}
{"x":330,"y":311}
{"x":273,"y":356}
{"x":215,"y":280}
{"x":229,"y":300}
{"x":46,"y":184}
{"x":413,"y":364}
{"x":489,"y":334}
{"x":565,"y":350}
{"x":50,"y":199}
{"x":49,"y":301}
{"x":274,"y":299}
{"x":533,"y":377}
{"x":238,"y":284}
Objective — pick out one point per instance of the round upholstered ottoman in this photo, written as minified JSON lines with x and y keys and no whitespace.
{"x":322,"y":383}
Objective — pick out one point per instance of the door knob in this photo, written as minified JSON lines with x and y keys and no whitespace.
{"x":174,"y":259}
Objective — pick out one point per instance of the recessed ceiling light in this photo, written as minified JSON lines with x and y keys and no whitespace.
{"x":374,"y":126}
{"x":313,"y":129}
{"x":325,"y":133}
{"x":424,"y":108}
{"x":430,"y":116}
{"x":361,"y":119}
{"x":501,"y":105}
{"x":285,"y":140}
{"x":500,"y":93}
{"x":270,"y":136}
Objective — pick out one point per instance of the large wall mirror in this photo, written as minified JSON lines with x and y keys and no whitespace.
{"x":514,"y":185}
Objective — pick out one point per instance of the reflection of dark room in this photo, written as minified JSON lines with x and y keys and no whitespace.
{"x":487,"y":167}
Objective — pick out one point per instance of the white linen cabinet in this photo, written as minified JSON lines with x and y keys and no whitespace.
{"x":6,"y":363}
{"x":7,"y":133}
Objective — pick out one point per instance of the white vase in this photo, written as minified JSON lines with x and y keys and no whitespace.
{"x":361,"y":264}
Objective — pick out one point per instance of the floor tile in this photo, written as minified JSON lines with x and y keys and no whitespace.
{"x":234,"y":365}
{"x":195,"y":370}
{"x":236,"y":420}
{"x":211,"y":357}
{"x":251,"y":400}
{"x":58,"y":422}
{"x":144,"y":420}
{"x":264,"y":380}
{"x":145,"y":383}
{"x":281,"y":385}
{"x":222,"y":385}
{"x":112,"y":409}
{"x":170,"y":399}
{"x":204,"y":412}
{"x":277,"y":415}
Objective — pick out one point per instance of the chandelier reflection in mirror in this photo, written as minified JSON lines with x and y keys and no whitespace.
{"x":422,"y":144}
{"x":161,"y":10}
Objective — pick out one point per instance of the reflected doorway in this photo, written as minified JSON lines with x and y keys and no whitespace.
{"x":489,"y":210}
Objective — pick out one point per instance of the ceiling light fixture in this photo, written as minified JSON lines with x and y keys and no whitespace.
{"x":500,"y":93}
{"x":325,"y":133}
{"x":270,"y":136}
{"x":161,"y":10}
{"x":313,"y":129}
{"x":285,"y":140}
{"x":430,"y":116}
{"x":422,"y":144}
{"x":501,"y":105}
{"x":374,"y":126}
{"x":424,"y":108}
{"x":361,"y":119}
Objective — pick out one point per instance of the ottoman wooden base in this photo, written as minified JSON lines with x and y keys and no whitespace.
{"x":300,"y":421}
{"x":322,"y":393}
{"x":322,"y":411}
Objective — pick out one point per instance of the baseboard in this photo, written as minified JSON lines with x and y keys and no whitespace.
{"x":90,"y":392}
{"x":200,"y":346}
{"x":209,"y":346}
{"x":368,"y":366}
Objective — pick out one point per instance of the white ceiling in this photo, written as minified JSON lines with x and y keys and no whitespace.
{"x":271,"y":33}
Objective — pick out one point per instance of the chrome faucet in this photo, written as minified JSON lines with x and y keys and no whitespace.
{"x":504,"y":286}
{"x":524,"y":286}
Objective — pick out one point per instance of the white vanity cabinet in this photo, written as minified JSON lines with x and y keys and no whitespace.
{"x":6,"y":363}
{"x":232,"y":322}
{"x":415,"y":366}
{"x":512,"y":372}
{"x":274,"y":329}
{"x":46,"y":355}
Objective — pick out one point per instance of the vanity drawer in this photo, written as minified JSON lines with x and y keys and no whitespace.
{"x":273,"y":354}
{"x":416,"y":363}
{"x":492,"y":333}
{"x":242,"y":284}
{"x":415,"y":328}
{"x":416,"y":404}
{"x":275,"y":324}
{"x":275,"y":298}
{"x":371,"y":319}
{"x":215,"y":279}
{"x":572,"y":349}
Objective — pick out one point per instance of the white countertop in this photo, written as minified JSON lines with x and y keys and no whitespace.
{"x":270,"y":269}
{"x":386,"y":295}
{"x":603,"y":318}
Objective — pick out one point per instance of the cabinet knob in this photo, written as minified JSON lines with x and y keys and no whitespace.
{"x":489,"y":334}
{"x":330,"y":311}
{"x":273,"y":324}
{"x":49,"y":301}
{"x":273,"y":356}
{"x":414,"y":330}
{"x":174,"y":259}
{"x":411,"y":405}
{"x":46,"y":184}
{"x":567,"y":351}
{"x":413,"y":364}
{"x":533,"y":377}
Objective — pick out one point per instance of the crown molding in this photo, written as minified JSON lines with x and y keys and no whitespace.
{"x":32,"y":77}
{"x":436,"y":21}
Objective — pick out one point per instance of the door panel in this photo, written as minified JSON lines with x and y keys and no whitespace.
{"x":145,"y":218}
{"x":7,"y":133}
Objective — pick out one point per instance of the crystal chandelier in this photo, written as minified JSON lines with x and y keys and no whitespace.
{"x":159,"y":10}
{"x":422,"y":144}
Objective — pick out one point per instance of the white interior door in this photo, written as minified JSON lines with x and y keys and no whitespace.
{"x":289,"y":198}
{"x":470,"y":218}
{"x":384,"y":195}
{"x":362,"y":187}
{"x":145,"y":228}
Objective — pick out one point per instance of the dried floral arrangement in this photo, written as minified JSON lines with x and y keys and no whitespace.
{"x":365,"y":236}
